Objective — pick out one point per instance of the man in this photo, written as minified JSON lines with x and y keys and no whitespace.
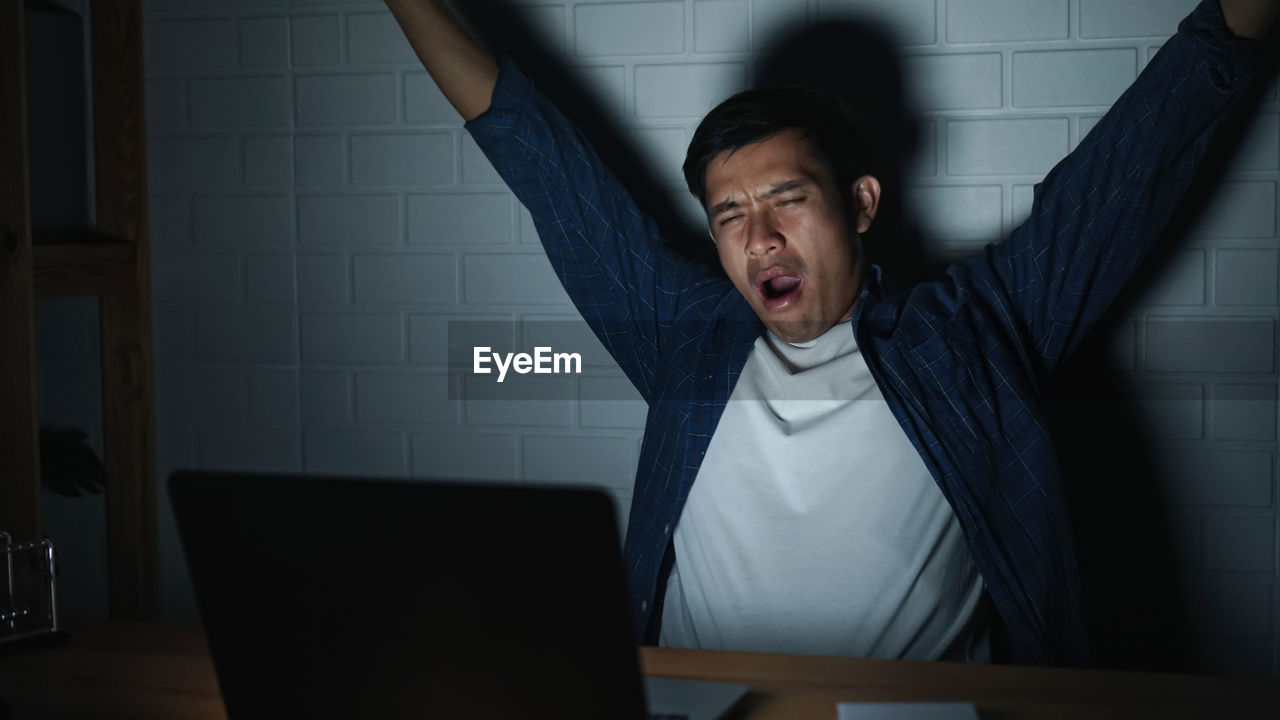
{"x":910,"y":503}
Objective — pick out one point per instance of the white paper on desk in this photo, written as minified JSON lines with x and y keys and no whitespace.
{"x":906,"y":711}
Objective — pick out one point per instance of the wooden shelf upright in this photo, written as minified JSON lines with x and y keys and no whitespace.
{"x":111,"y":263}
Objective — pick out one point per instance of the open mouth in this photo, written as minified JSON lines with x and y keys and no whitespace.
{"x":778,"y":287}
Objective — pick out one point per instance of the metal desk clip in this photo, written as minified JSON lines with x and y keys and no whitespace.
{"x":28,"y":605}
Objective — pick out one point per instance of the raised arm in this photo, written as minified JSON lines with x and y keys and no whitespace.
{"x":465,"y":73}
{"x":1099,"y":211}
{"x":628,"y":285}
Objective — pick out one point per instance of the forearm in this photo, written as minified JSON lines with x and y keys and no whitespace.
{"x":1250,"y":18}
{"x":464,"y":71}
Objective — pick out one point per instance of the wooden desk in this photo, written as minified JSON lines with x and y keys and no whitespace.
{"x":145,"y":671}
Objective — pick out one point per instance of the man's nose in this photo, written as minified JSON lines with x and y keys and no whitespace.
{"x":762,"y":234}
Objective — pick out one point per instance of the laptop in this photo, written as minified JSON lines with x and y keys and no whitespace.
{"x":326,"y":597}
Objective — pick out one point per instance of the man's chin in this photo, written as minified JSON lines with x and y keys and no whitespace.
{"x":797,"y":331}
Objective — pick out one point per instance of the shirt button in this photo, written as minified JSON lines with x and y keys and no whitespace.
{"x":644,"y":604}
{"x":667,"y":530}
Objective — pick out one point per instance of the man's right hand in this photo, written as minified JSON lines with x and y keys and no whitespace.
{"x":464,"y":71}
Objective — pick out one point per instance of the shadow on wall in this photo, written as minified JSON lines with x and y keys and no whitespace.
{"x":1137,"y":601}
{"x":1136,"y":608}
{"x":831,"y":55}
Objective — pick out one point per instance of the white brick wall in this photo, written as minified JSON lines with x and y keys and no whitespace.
{"x":405,"y":279}
{"x":1039,"y":143}
{"x":1081,"y":77}
{"x":412,"y":159}
{"x":349,"y":99}
{"x":955,"y":81}
{"x":978,"y":21}
{"x":629,"y":28}
{"x":249,"y":220}
{"x":318,"y":216}
{"x":913,"y":22}
{"x":347,"y":220}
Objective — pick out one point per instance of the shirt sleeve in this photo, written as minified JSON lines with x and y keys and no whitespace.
{"x":626,"y":282}
{"x":1098,"y":212}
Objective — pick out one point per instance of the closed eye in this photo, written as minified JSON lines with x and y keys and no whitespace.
{"x":727,"y":220}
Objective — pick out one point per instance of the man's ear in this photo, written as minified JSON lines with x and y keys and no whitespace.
{"x":712,"y":235}
{"x":866,"y":200}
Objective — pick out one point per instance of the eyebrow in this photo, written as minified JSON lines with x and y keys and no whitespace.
{"x":780,"y":188}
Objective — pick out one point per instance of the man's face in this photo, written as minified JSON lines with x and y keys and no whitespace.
{"x":785,"y":238}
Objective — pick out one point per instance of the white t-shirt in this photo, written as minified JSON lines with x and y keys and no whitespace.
{"x":815,"y":527}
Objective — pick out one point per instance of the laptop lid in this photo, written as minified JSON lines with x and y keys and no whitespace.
{"x":330,"y":597}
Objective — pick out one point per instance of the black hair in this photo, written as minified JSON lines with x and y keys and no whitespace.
{"x":829,"y":123}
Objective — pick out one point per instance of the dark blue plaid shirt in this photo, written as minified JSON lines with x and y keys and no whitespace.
{"x":962,"y":362}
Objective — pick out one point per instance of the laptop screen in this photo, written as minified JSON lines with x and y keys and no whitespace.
{"x":329,"y":597}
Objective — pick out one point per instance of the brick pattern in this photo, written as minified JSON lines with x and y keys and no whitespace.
{"x":318,"y":216}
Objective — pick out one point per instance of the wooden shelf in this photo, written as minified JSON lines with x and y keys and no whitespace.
{"x":20,"y":489}
{"x":82,"y":268}
{"x":110,"y":262}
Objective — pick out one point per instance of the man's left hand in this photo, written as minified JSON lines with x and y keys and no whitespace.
{"x":1250,"y":18}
